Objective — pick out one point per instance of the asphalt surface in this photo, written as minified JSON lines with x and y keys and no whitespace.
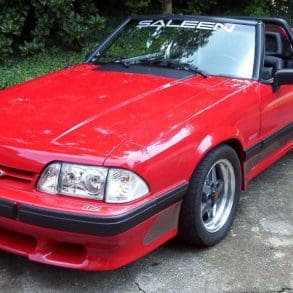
{"x":257,"y":255}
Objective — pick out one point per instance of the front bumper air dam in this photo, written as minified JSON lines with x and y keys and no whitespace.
{"x":88,"y":242}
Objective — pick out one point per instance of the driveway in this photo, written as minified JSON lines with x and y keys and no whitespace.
{"x":257,"y":255}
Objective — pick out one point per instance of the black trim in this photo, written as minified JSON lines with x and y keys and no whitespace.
{"x":146,"y":69}
{"x":258,"y":148}
{"x":282,"y":76}
{"x":259,"y":51}
{"x":99,"y":226}
{"x":253,"y":151}
{"x":8,"y":209}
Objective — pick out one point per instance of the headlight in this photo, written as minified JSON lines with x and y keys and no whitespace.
{"x":83,"y":181}
{"x":111,"y":184}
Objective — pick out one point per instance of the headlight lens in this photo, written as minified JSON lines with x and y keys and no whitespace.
{"x":112,"y":184}
{"x":83,"y":181}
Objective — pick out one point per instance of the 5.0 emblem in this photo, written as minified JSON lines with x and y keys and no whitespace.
{"x":92,"y":208}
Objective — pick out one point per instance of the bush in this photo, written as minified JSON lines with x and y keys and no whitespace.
{"x":12,"y":20}
{"x":137,"y":6}
{"x":283,"y":8}
{"x":199,"y":6}
{"x":23,"y":69}
{"x":29,"y":26}
{"x":258,"y":8}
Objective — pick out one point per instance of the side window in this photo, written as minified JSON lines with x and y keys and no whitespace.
{"x":278,"y":45}
{"x":278,"y":51}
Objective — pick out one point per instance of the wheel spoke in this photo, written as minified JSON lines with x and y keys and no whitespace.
{"x":210,"y":214}
{"x":207,"y":188}
{"x":214,"y":175}
{"x":220,"y":186}
{"x":214,"y":210}
{"x":206,"y":207}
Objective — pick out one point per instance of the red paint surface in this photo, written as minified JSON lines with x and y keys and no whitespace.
{"x":159,"y":127}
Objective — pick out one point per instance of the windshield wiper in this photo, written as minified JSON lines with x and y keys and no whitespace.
{"x":144,"y":58}
{"x":153,"y":59}
{"x":114,"y":59}
{"x":131,"y":60}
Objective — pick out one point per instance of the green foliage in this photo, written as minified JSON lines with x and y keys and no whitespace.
{"x":5,"y":46}
{"x":284,"y":8}
{"x":29,"y":26}
{"x":12,"y":20}
{"x":71,"y":22}
{"x":199,"y":6}
{"x":30,"y":48}
{"x":137,"y":6}
{"x":258,"y":8}
{"x":29,"y":67}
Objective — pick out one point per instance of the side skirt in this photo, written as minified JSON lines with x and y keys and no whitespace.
{"x":270,"y":149}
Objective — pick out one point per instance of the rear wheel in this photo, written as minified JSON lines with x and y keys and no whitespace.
{"x":209,"y":207}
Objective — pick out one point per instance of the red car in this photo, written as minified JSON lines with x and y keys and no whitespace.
{"x":153,"y":136}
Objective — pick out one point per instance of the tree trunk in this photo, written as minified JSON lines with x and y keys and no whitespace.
{"x":167,"y":6}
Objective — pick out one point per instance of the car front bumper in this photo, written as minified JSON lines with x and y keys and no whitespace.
{"x":88,"y":242}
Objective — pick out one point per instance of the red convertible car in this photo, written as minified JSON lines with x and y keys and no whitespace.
{"x":153,"y":136}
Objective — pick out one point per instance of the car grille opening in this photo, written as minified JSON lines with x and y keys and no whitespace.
{"x":67,"y":253}
{"x":17,"y":242}
{"x":16,"y":178}
{"x":52,"y":251}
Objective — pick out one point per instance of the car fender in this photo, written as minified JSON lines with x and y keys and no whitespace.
{"x":226,"y":135}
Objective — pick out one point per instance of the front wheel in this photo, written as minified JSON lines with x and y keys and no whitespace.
{"x":209,"y":207}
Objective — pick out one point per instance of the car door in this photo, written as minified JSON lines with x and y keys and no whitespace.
{"x":276,"y":105}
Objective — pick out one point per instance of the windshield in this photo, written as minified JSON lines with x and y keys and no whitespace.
{"x":215,"y":48}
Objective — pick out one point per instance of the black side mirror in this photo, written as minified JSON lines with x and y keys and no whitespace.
{"x":282,"y":76}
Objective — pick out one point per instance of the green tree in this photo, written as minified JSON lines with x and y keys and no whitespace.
{"x":199,"y":6}
{"x":258,"y":8}
{"x":283,"y":8}
{"x":136,"y":7}
{"x":29,"y":26}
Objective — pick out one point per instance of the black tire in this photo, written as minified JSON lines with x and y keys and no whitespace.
{"x":197,"y":207}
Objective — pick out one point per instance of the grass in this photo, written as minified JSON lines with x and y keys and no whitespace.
{"x":25,"y":68}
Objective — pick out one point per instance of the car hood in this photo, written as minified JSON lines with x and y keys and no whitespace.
{"x":86,"y":111}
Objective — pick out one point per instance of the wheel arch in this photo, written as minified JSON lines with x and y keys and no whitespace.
{"x":236,"y":144}
{"x":238,"y":148}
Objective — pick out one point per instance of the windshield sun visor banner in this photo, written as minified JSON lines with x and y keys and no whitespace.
{"x":189,"y":24}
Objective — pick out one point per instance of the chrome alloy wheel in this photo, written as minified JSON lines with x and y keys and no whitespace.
{"x":218,"y":195}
